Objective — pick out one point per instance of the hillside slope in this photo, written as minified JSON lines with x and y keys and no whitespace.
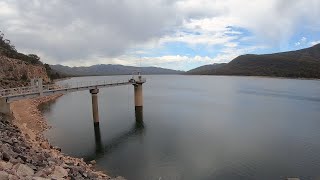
{"x":205,"y":69}
{"x":16,"y":69}
{"x":109,"y":69}
{"x":15,"y":73}
{"x":304,"y":63}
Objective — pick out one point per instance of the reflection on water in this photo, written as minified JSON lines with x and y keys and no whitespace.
{"x":137,"y":129}
{"x":280,"y":95}
{"x":97,"y":137}
{"x":195,"y":127}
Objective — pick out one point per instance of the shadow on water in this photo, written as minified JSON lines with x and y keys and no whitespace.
{"x":102,"y":149}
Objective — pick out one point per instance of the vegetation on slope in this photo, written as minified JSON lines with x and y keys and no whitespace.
{"x":8,"y":50}
{"x":304,"y":63}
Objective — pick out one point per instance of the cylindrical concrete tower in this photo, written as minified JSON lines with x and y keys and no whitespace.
{"x":95,"y":109}
{"x":138,"y":98}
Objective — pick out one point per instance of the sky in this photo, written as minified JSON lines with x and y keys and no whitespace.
{"x":175,"y":34}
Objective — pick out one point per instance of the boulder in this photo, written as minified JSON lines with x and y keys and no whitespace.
{"x":23,"y":170}
{"x":5,"y":165}
{"x":93,"y":162}
{"x":4,"y":175}
{"x":59,"y":172}
{"x":7,"y":152}
{"x":39,"y":178}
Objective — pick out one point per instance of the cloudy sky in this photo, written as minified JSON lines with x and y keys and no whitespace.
{"x":177,"y":34}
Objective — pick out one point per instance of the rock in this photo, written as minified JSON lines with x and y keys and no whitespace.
{"x":13,"y":177}
{"x":5,"y":165}
{"x":15,"y":161}
{"x":4,"y":175}
{"x":17,"y":150}
{"x":45,"y":145}
{"x":118,"y":178}
{"x":23,"y":170}
{"x":40,"y":173}
{"x":23,"y":158}
{"x":59,"y":172}
{"x":93,"y":162}
{"x":7,"y":152}
{"x":85,"y":175}
{"x":39,"y":178}
{"x":5,"y":156}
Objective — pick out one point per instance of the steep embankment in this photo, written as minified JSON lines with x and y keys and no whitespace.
{"x":15,"y":73}
{"x":304,"y":63}
{"x":16,"y":69}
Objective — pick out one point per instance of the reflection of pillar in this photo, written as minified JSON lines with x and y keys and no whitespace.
{"x":97,"y":136}
{"x":95,"y":110}
{"x":138,"y":99}
{"x":139,"y":114}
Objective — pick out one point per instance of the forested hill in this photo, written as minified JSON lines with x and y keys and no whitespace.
{"x":304,"y":63}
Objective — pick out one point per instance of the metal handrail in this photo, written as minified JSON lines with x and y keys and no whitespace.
{"x":35,"y":89}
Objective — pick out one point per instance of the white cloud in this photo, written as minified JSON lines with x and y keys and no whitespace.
{"x":177,"y":62}
{"x":273,"y":20}
{"x":7,"y":10}
{"x":301,"y":42}
{"x":312,"y":43}
{"x":87,"y":32}
{"x":213,"y":31}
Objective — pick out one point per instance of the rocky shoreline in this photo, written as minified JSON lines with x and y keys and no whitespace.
{"x":26,"y":154}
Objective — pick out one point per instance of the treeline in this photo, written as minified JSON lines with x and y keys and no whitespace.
{"x":7,"y":49}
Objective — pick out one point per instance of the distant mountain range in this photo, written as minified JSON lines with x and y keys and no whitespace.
{"x":109,"y":69}
{"x":304,"y":63}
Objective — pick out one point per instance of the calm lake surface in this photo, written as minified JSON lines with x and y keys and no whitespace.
{"x":196,"y":127}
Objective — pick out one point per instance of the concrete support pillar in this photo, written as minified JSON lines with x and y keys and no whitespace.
{"x":4,"y":106}
{"x":95,"y":110}
{"x":138,"y":98}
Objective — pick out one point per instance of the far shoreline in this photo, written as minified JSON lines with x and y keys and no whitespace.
{"x":184,"y":74}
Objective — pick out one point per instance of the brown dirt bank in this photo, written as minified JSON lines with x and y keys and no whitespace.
{"x":26,"y":154}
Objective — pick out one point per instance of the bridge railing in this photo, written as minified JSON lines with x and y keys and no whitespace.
{"x":81,"y":84}
{"x":19,"y":91}
{"x":36,"y":89}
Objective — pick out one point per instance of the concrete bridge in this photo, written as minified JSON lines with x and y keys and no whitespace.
{"x":37,"y":90}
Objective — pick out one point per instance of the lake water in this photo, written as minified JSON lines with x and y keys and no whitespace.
{"x":196,"y":127}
